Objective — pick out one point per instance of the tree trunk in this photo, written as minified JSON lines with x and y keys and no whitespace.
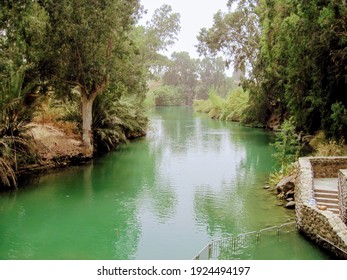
{"x":87,"y":119}
{"x":87,"y":100}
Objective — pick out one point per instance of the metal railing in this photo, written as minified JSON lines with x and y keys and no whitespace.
{"x":235,"y":244}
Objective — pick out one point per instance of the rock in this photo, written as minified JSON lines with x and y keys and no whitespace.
{"x":290,"y":205}
{"x":289,"y":194}
{"x":322,"y":207}
{"x":288,"y":187}
{"x":290,"y":199}
{"x":286,"y":184}
{"x":266,"y":187}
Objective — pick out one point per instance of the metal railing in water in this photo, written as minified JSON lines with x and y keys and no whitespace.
{"x":237,"y":243}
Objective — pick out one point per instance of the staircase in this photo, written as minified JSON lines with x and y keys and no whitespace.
{"x":326,"y":193}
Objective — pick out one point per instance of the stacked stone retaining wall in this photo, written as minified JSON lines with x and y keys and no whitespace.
{"x":327,"y":167}
{"x":343,"y":194}
{"x":324,"y":227}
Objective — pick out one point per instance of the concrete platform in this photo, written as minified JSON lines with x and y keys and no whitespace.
{"x":325,"y":184}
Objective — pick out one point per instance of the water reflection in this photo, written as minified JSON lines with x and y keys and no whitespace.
{"x":189,"y":181}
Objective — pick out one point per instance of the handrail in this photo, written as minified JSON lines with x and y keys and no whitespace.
{"x":212,"y":250}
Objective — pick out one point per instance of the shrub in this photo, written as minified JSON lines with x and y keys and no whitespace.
{"x":116,"y":121}
{"x":216,"y":107}
{"x":287,"y":144}
{"x":16,"y":146}
{"x":168,"y":96}
{"x":235,"y":105}
{"x":337,"y":123}
{"x":332,"y":148}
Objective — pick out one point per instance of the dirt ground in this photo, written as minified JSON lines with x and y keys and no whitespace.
{"x":53,"y":143}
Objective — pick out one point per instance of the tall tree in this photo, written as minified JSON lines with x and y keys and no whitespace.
{"x":302,"y":62}
{"x":86,"y":41}
{"x":182,"y":73}
{"x":211,"y":73}
{"x":22,"y":34}
{"x":234,"y":33}
{"x":157,"y":36}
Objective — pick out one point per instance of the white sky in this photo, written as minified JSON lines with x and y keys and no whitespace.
{"x":195,"y":14}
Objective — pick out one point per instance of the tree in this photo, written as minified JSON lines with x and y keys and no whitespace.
{"x":295,"y":54}
{"x":235,"y":34}
{"x":182,"y":73}
{"x":22,"y":24}
{"x":158,"y":34}
{"x":302,"y":62}
{"x":22,"y":28}
{"x":211,"y":73}
{"x":86,"y":41}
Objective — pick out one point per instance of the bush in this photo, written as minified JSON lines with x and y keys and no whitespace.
{"x":116,"y":121}
{"x":338,"y":122}
{"x":168,"y":96}
{"x":16,"y":146}
{"x":235,"y":105}
{"x":216,"y":107}
{"x":332,"y":148}
{"x":287,"y":144}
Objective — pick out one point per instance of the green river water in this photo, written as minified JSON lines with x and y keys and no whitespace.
{"x":190,"y":181}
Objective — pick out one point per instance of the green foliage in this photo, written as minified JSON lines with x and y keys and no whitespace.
{"x":287,"y":145}
{"x":211,"y":73}
{"x":337,"y":121}
{"x":235,"y":105}
{"x":235,"y":34}
{"x":23,"y":27}
{"x":296,"y":54}
{"x":231,"y":109}
{"x":158,"y":34}
{"x":168,"y":96}
{"x":16,"y":147}
{"x":203,"y":106}
{"x":217,"y":104}
{"x":91,"y":50}
{"x":87,"y":41}
{"x":182,"y":73}
{"x":116,"y":121}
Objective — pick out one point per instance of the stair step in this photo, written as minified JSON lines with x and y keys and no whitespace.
{"x":335,"y":211}
{"x":326,"y":195}
{"x":327,"y":199}
{"x":329,"y":205}
{"x":317,"y":190}
{"x":330,"y":208}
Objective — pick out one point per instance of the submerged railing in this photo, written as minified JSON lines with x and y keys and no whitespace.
{"x":235,"y":244}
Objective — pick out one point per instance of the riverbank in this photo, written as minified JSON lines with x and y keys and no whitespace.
{"x":55,"y":147}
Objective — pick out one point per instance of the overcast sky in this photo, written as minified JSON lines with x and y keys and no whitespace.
{"x":195,"y":14}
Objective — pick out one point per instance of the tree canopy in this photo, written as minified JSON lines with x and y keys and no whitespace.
{"x":295,"y":52}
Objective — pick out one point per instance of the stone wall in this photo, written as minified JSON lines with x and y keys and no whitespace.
{"x":327,"y":167}
{"x":324,"y":227}
{"x":343,"y":194}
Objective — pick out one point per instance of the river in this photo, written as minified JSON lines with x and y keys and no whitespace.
{"x":189,"y":181}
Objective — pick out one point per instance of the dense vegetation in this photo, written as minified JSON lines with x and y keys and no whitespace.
{"x":88,"y":62}
{"x":93,"y":63}
{"x":294,"y":56}
{"x":230,"y":108}
{"x":185,"y":79}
